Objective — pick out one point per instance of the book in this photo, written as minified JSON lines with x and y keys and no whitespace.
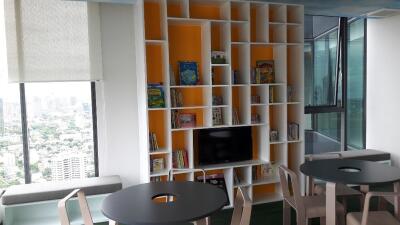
{"x":235,"y":117}
{"x":266,"y":71}
{"x":290,"y":93}
{"x":180,"y":159}
{"x":187,"y":120}
{"x":175,"y":119}
{"x":188,"y":73}
{"x":157,"y":165}
{"x":255,"y":99}
{"x":255,"y":118}
{"x":217,"y":100}
{"x":271,"y":94}
{"x":217,"y":116}
{"x":155,"y":95}
{"x":176,"y":98}
{"x":153,"y":142}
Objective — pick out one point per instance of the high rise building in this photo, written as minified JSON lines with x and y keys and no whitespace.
{"x":68,"y":166}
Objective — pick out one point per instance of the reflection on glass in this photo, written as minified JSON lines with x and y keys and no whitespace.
{"x":355,"y":85}
{"x":60,"y":130}
{"x":324,"y":80}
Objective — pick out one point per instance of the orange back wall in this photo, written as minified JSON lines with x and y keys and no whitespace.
{"x":184,"y":45}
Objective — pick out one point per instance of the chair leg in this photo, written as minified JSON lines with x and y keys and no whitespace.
{"x":111,"y":222}
{"x":286,"y":213}
{"x":341,"y":220}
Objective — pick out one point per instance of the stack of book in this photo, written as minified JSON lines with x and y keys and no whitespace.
{"x":176,"y":98}
{"x":157,"y":165}
{"x":180,"y":159}
{"x":271,"y":95}
{"x":153,"y":142}
{"x":155,"y":179}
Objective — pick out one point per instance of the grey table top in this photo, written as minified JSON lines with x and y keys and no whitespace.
{"x":134,"y":205}
{"x":351,"y":171}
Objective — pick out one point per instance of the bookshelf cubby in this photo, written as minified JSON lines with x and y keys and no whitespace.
{"x":247,"y":32}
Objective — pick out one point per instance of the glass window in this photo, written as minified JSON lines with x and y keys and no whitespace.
{"x":11,"y":150}
{"x":355,"y":85}
{"x":324,"y":77}
{"x":60,"y":130}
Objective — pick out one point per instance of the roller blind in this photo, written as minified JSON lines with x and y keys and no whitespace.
{"x":53,"y":40}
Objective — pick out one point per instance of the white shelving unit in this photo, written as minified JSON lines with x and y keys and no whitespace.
{"x":246,"y":31}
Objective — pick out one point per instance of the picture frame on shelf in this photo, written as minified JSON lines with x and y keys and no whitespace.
{"x":264,"y":72}
{"x":218,"y":57}
{"x":188,"y":72}
{"x":293,"y":131}
{"x":255,"y":118}
{"x":274,"y":135}
{"x":187,"y":120}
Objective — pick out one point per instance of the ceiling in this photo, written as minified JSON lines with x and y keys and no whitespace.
{"x":348,"y":8}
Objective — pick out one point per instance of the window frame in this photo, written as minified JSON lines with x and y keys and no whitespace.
{"x":344,"y":24}
{"x":25,"y":138}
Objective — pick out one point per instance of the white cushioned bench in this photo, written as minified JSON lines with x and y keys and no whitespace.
{"x":36,"y":204}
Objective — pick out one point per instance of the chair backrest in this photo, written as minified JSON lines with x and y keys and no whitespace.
{"x":328,"y":155}
{"x":83,"y":205}
{"x":291,"y":192}
{"x":172,"y":172}
{"x":242,"y":208}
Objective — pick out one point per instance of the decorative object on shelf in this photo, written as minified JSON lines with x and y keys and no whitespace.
{"x":235,"y":75}
{"x":235,"y":117}
{"x":274,"y":135}
{"x":217,"y":116}
{"x":180,"y":159}
{"x":255,"y":99}
{"x":188,"y":72}
{"x":217,"y":100}
{"x":187,"y":120}
{"x":172,"y":80}
{"x":176,"y":98}
{"x":271,"y":94}
{"x":265,"y":170}
{"x":218,"y":57}
{"x":263,"y":73}
{"x":153,"y":142}
{"x":293,"y":131}
{"x":155,"y":95}
{"x":255,"y":118}
{"x":290,"y":92}
{"x":157,"y":164}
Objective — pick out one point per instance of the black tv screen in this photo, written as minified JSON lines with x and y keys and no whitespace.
{"x":223,"y":145}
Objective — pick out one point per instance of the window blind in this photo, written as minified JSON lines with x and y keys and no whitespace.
{"x":53,"y":40}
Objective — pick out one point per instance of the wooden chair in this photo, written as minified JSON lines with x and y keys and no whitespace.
{"x":342,"y":191}
{"x":373,"y":217}
{"x":307,"y":207}
{"x":242,"y":208}
{"x":83,"y":205}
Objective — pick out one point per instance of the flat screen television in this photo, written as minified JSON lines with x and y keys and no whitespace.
{"x":223,"y":145}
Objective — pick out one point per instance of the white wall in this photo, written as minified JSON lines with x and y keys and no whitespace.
{"x":118,"y":120}
{"x":383,"y":86}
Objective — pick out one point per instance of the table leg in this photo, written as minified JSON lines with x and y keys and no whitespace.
{"x":330,"y":203}
{"x":396,"y":188}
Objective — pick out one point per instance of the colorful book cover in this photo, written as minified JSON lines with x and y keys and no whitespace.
{"x":266,"y":71}
{"x":188,"y":73}
{"x":155,"y":96}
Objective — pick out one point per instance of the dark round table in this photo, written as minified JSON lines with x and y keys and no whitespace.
{"x":349,"y":171}
{"x":192,"y":201}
